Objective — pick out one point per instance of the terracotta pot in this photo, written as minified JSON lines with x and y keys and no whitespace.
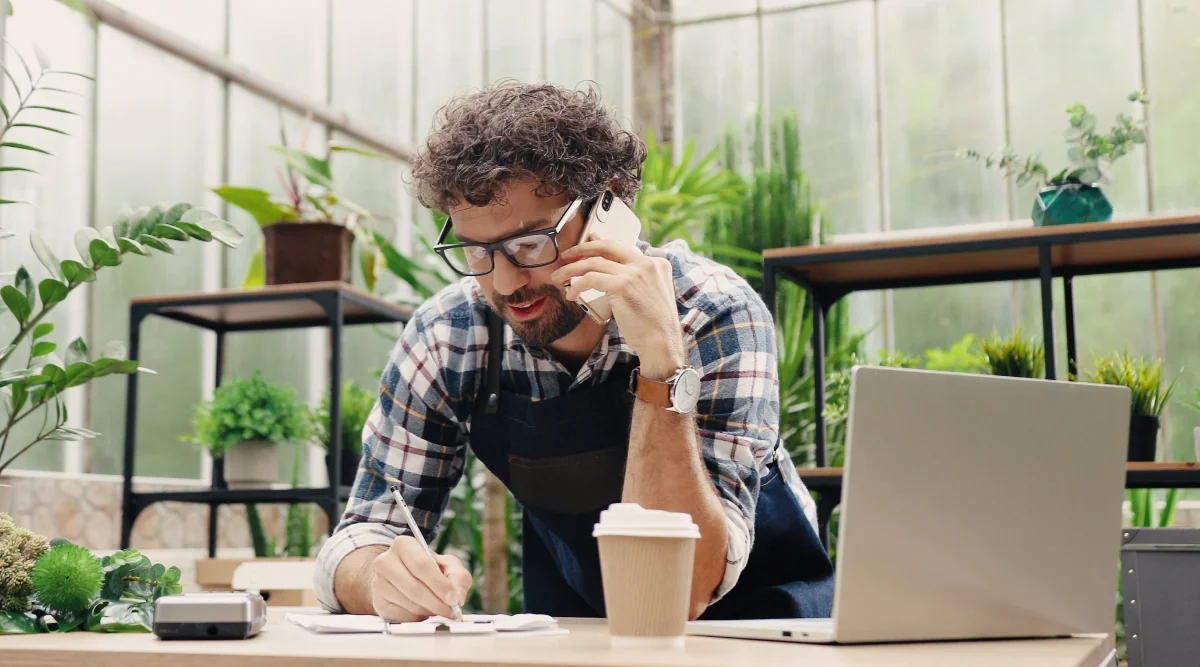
{"x":306,"y":252}
{"x":252,"y":464}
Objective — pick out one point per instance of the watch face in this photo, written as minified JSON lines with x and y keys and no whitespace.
{"x":687,"y":390}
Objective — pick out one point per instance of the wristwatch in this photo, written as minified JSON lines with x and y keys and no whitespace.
{"x":679,"y":393}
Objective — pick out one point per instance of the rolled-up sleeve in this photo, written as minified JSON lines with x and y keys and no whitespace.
{"x":411,"y":439}
{"x":737,"y":414}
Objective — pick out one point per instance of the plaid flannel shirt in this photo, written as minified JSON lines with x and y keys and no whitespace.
{"x":419,"y":429}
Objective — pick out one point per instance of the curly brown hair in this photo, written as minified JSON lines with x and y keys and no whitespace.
{"x":563,"y":138}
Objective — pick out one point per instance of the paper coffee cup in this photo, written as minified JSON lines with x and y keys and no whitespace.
{"x":646,"y":569}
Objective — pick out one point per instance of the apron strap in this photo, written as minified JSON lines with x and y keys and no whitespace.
{"x":495,"y":360}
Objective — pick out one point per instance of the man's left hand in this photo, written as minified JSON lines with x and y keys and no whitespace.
{"x":641,"y":293}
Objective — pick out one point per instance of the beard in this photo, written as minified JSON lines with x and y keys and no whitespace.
{"x":559,"y":317}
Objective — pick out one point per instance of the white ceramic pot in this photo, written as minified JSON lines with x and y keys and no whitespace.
{"x":252,"y":464}
{"x":5,"y":498}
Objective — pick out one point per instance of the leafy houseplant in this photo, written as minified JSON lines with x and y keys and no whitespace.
{"x":1149,"y":397}
{"x":32,"y":376}
{"x":675,"y":197}
{"x":56,"y":586}
{"x":245,"y":422}
{"x":308,"y":235}
{"x":1071,"y":195}
{"x":1013,"y":356}
{"x":356,"y":407}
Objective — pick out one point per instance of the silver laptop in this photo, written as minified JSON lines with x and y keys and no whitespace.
{"x":973,"y":507}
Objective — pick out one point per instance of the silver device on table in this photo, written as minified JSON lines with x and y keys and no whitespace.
{"x":973,"y":507}
{"x":210,"y":615}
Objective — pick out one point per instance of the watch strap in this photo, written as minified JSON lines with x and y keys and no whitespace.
{"x":650,"y":391}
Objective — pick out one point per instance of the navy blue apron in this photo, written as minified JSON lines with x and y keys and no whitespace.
{"x":563,"y":459}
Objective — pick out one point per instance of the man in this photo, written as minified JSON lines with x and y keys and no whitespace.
{"x":571,"y":415}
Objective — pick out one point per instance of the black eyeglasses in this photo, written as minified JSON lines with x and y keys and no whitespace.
{"x":528,"y":249}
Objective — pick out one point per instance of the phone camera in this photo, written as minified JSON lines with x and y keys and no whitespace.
{"x":606,"y":203}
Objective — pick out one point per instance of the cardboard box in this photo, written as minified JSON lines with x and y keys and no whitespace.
{"x":216,"y":574}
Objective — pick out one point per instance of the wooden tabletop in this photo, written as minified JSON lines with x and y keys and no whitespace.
{"x":1008,"y":254}
{"x":273,"y":306}
{"x":588,"y":644}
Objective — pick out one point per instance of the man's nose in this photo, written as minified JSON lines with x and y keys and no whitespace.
{"x":506,"y":276}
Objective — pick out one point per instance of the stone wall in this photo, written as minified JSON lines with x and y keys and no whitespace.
{"x":86,"y":509}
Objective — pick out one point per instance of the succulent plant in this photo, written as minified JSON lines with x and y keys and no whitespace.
{"x":19,"y":552}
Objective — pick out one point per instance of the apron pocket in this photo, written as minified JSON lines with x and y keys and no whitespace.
{"x":573,"y":484}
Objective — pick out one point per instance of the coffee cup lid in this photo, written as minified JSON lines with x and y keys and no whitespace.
{"x":632,"y":519}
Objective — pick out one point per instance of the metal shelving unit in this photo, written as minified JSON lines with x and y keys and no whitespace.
{"x":327,"y":304}
{"x":831,"y":272}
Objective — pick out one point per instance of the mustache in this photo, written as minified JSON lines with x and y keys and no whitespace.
{"x":526,"y":294}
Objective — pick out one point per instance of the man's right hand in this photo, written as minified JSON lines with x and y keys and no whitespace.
{"x":406,"y":586}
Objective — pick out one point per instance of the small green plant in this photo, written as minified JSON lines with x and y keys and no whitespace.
{"x":961,"y":357}
{"x":67,"y":578}
{"x":19,"y":551}
{"x":1014,"y":356}
{"x":1144,"y":379}
{"x":250,"y":409}
{"x":357,"y":404}
{"x":315,"y":199}
{"x":1090,"y":155}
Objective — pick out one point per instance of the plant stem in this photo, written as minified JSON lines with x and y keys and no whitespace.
{"x":21,"y":107}
{"x":29,"y":326}
{"x":41,"y":436}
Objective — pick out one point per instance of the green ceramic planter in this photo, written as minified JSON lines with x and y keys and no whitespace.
{"x":1070,"y":204}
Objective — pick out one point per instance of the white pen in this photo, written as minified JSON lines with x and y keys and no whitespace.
{"x":412,"y":527}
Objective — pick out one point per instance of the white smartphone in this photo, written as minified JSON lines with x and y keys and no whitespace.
{"x":610,"y":220}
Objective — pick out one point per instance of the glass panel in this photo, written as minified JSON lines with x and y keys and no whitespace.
{"x":614,"y":49}
{"x":285,"y":41}
{"x":514,"y":40}
{"x":159,"y":132}
{"x":1040,"y":33}
{"x":684,"y":10}
{"x":449,"y":54}
{"x":821,"y":63}
{"x":715,"y":85}
{"x":1173,"y":64}
{"x":375,"y":85}
{"x":569,"y":46}
{"x":58,"y":192}
{"x":941,"y":90}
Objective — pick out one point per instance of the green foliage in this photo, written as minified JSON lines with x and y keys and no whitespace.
{"x":961,"y":357}
{"x":312,"y":197}
{"x":67,"y":578}
{"x":1144,"y":379}
{"x":837,"y":400}
{"x":1013,"y":356}
{"x":19,"y":551}
{"x":676,"y":198}
{"x":357,"y":404}
{"x":250,"y":409}
{"x":1090,"y":155}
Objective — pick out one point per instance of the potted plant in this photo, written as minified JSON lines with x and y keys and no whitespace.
{"x":244,"y":423}
{"x":1013,"y":356}
{"x":1072,"y":195}
{"x":307,"y":235}
{"x":1145,"y":381}
{"x":357,"y":404}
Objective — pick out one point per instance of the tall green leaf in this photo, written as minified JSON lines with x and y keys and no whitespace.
{"x":256,"y":202}
{"x":312,"y":168}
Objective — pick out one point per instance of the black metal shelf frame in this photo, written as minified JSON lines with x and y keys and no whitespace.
{"x":824,"y":297}
{"x":332,"y":302}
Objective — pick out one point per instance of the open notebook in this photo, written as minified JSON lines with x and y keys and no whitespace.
{"x":475,"y":624}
